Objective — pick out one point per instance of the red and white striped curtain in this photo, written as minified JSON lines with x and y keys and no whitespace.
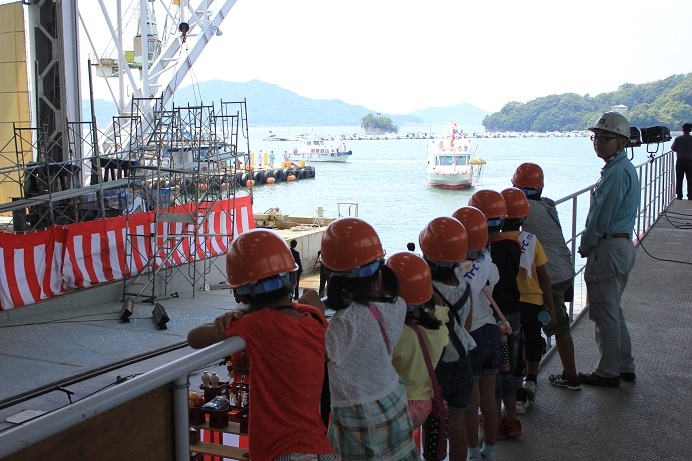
{"x":39,"y":265}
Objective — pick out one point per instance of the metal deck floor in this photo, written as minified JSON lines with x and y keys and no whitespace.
{"x":651,"y":418}
{"x":645,"y":420}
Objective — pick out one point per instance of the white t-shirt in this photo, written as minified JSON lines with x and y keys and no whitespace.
{"x":453,"y":294}
{"x":360,"y":365}
{"x":479,"y":273}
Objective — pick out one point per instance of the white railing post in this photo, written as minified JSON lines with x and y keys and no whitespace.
{"x":31,"y":432}
{"x":181,"y":418}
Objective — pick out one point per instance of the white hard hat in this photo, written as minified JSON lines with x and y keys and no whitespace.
{"x":614,"y":122}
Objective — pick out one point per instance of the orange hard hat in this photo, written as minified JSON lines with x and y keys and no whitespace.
{"x":517,"y":203}
{"x":476,"y":226}
{"x":415,"y":281}
{"x":256,"y":255}
{"x":444,"y":240}
{"x":349,"y":243}
{"x":528,"y":176}
{"x":490,"y":202}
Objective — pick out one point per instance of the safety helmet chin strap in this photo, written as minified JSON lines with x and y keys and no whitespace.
{"x":531,"y":193}
{"x":437,"y":264}
{"x":362,"y":271}
{"x":267,"y":285}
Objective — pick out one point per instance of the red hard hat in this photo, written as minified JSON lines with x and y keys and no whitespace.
{"x":255,"y":255}
{"x":528,"y":176}
{"x":476,"y":226}
{"x":517,"y":203}
{"x":444,"y":239}
{"x":490,"y":202}
{"x":415,"y":281}
{"x":349,"y":243}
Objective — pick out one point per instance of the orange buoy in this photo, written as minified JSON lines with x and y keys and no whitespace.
{"x":250,"y":183}
{"x":291,"y":177}
{"x":271,"y":180}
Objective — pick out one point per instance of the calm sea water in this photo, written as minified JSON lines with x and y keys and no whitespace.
{"x":386,"y":179}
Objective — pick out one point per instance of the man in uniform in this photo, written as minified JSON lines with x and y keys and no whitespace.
{"x":607,"y":245}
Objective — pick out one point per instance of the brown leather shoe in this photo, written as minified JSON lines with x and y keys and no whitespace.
{"x":594,"y":380}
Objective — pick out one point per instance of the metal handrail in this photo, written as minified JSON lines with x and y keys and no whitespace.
{"x":176,"y":372}
{"x":657,"y":189}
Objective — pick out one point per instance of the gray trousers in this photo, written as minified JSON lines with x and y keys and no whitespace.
{"x":606,"y":272}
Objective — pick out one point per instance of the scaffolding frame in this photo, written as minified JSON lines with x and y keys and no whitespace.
{"x":50,"y":193}
{"x":178,"y":166}
{"x":185,"y":160}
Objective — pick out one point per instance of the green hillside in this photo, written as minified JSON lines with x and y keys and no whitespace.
{"x":665,"y":102}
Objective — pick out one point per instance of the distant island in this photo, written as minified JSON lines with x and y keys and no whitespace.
{"x":378,"y":124}
{"x":666,"y":102}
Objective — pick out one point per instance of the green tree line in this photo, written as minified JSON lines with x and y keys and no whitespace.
{"x":666,"y":102}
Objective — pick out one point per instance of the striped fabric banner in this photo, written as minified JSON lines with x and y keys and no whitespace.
{"x":31,"y":266}
{"x":39,"y":265}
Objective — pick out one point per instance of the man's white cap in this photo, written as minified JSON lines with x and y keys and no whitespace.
{"x":614,"y":122}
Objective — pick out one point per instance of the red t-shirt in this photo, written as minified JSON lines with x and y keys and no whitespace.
{"x":287,"y":356}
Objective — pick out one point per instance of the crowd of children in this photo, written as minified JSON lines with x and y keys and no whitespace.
{"x":481,"y":275}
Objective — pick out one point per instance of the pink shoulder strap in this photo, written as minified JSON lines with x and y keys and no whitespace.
{"x":378,"y":316}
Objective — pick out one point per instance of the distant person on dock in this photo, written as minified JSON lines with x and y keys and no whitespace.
{"x":297,"y":273}
{"x":285,"y":343}
{"x":682,"y":146}
{"x":324,"y":275}
{"x":370,"y":418}
{"x":607,"y":244}
{"x":271,"y":159}
{"x":544,"y":222}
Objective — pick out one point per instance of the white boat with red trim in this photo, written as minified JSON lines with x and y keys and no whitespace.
{"x":451,"y":165}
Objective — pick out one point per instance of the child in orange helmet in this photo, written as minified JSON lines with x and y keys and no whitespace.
{"x":443,"y":243}
{"x":543,"y":221}
{"x":505,"y":253}
{"x":534,"y":286}
{"x":285,"y":344}
{"x":370,"y":418}
{"x":416,"y":290}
